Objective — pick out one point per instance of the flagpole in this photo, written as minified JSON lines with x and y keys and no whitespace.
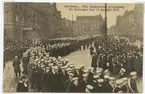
{"x":105,"y":35}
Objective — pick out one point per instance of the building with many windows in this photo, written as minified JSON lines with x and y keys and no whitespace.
{"x":31,"y":20}
{"x":88,"y":25}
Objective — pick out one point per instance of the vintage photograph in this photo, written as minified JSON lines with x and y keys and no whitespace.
{"x":73,"y":47}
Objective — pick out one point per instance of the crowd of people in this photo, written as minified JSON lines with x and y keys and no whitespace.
{"x":118,"y":54}
{"x":112,"y":71}
{"x":14,"y":47}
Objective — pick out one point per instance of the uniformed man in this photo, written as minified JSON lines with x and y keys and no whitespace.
{"x":94,"y":62}
{"x":69,"y":83}
{"x":110,"y":86}
{"x":83,"y":83}
{"x":91,"y":51}
{"x":132,"y":83}
{"x":16,"y":65}
{"x":22,"y":85}
{"x":125,"y":88}
{"x":106,"y":80}
{"x":122,"y":73}
{"x":118,"y":88}
{"x":90,"y":76}
{"x":25,"y":61}
{"x":89,"y":89}
{"x":46,"y":79}
{"x":75,"y":87}
{"x":99,"y":87}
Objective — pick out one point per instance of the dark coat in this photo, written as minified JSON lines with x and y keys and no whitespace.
{"x":82,"y":86}
{"x":80,"y":75}
{"x":94,"y":63}
{"x":68,"y":86}
{"x":132,"y":86}
{"x":46,"y":82}
{"x":21,"y":87}
{"x":99,"y":89}
{"x":90,"y":78}
{"x":125,"y":89}
{"x":109,"y":88}
{"x":16,"y":65}
{"x":117,"y":89}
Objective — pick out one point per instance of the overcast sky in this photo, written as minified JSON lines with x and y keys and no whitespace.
{"x":64,"y":8}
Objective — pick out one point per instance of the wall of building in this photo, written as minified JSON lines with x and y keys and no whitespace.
{"x":131,"y":23}
{"x":88,"y":25}
{"x":34,"y":20}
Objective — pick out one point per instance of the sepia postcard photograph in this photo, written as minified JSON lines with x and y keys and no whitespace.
{"x":73,"y":47}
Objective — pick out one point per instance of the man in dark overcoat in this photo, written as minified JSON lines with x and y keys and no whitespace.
{"x":16,"y":65}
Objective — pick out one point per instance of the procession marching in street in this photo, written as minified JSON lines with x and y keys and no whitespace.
{"x":112,"y":70}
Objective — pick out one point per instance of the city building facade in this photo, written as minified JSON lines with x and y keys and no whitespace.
{"x":31,"y":20}
{"x":88,"y":25}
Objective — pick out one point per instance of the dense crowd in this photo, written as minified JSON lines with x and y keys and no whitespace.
{"x":14,"y":47}
{"x":109,"y":71}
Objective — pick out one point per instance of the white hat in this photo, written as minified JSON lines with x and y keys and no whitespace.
{"x":94,"y":81}
{"x":42,"y":66}
{"x":111,"y":78}
{"x":85,"y":75}
{"x":71,"y":74}
{"x":75,"y":78}
{"x":100,"y":80}
{"x":59,"y":57}
{"x":124,"y":78}
{"x":42,"y":60}
{"x":106,"y":76}
{"x":119,"y":81}
{"x":90,"y":87}
{"x":133,"y":73}
{"x":106,"y":71}
{"x":96,"y":76}
{"x":123,"y":70}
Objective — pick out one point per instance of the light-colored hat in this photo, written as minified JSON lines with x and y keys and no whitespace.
{"x":111,"y":78}
{"x":94,"y":81}
{"x":133,"y":73}
{"x":85,"y":75}
{"x":106,"y":71}
{"x":119,"y":81}
{"x":124,"y":78}
{"x":100,"y":80}
{"x":96,"y":76}
{"x":71,"y":74}
{"x":75,"y":78}
{"x":106,"y":76}
{"x":90,"y":87}
{"x":123,"y":70}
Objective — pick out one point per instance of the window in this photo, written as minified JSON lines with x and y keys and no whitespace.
{"x":17,"y":6}
{"x":17,"y":18}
